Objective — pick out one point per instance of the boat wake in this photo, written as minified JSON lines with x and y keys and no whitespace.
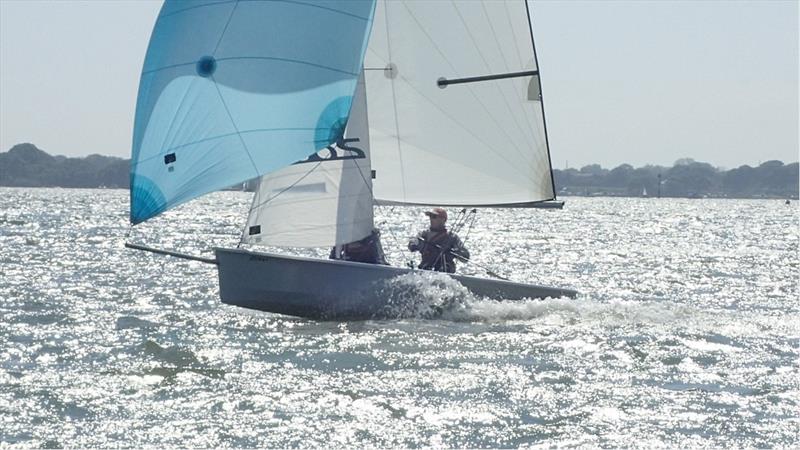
{"x":566,"y":311}
{"x":422,"y":295}
{"x":431,"y":295}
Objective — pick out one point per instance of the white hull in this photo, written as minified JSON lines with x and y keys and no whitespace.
{"x":327,"y":289}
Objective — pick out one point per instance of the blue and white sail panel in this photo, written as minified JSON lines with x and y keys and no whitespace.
{"x":321,"y":202}
{"x":231,"y":90}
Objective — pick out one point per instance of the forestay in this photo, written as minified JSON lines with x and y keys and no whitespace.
{"x":231,"y":90}
{"x":325,"y":200}
{"x":476,"y":143}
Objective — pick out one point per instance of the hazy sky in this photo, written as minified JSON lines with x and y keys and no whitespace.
{"x":623,"y":81}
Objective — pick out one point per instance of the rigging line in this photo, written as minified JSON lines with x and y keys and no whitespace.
{"x":255,"y":197}
{"x":391,"y":233}
{"x":444,"y":57}
{"x":469,"y":228}
{"x":454,"y":229}
{"x":394,"y":99}
{"x":230,"y":116}
{"x":369,"y":186}
{"x":360,"y":172}
{"x":444,"y":247}
{"x":282,"y":190}
{"x":485,"y":62}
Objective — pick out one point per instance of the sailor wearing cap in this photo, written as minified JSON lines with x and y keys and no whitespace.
{"x":439,"y":247}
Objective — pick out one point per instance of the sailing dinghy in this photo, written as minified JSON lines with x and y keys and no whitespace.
{"x":338,"y":106}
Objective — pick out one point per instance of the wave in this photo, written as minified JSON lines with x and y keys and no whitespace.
{"x":567,"y":310}
{"x":431,"y":295}
{"x":422,"y":295}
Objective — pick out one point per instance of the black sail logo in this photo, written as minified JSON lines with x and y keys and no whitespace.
{"x":336,"y":152}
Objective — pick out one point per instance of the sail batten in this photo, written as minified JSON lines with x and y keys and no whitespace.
{"x":479,"y":143}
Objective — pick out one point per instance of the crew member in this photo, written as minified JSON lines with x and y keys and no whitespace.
{"x":439,"y":247}
{"x":367,"y":250}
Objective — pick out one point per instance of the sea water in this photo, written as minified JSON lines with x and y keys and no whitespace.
{"x":685,"y":333}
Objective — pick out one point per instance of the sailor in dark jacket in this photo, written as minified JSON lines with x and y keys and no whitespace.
{"x":438,"y":247}
{"x":367,"y":250}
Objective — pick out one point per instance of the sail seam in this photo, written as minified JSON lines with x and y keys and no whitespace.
{"x":457,"y":123}
{"x":394,"y":99}
{"x":489,"y":69}
{"x":311,"y":227}
{"x":522,"y":129}
{"x":268,"y":58}
{"x":541,"y":100}
{"x":471,"y":91}
{"x":528,"y":113}
{"x":179,"y":11}
{"x":222,"y":34}
{"x":274,"y":203}
{"x":233,"y":122}
{"x":221,"y":136}
{"x":462,"y":126}
{"x":310,"y":5}
{"x":281,"y":1}
{"x":173,"y":120}
{"x":525,"y":111}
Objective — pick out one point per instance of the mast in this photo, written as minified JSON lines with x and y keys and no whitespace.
{"x":541,"y":99}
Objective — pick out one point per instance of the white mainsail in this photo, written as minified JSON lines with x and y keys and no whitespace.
{"x":474,"y":144}
{"x":321,"y":202}
{"x":480,"y":143}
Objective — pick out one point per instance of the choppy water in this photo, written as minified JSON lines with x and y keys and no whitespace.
{"x":686,"y":333}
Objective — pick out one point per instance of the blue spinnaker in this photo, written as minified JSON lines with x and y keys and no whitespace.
{"x":231,"y":90}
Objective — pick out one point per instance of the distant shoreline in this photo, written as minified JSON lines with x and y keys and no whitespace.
{"x":560,"y":197}
{"x":27,"y":166}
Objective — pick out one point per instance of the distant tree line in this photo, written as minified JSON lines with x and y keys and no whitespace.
{"x":27,"y":166}
{"x":686,"y":178}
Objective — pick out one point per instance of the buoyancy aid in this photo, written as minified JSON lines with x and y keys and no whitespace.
{"x":437,"y":248}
